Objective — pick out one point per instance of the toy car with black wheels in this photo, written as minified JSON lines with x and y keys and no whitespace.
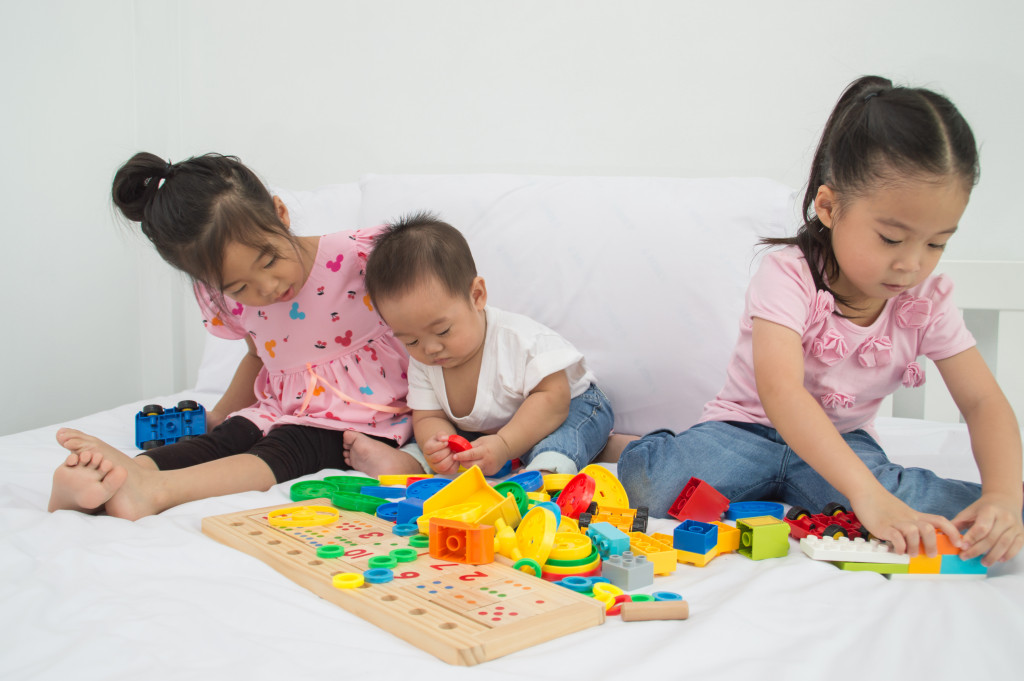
{"x":156,"y":426}
{"x":833,"y":521}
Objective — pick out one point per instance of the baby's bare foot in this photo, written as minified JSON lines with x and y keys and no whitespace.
{"x":373,"y":457}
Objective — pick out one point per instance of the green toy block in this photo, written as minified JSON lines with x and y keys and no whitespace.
{"x":881,"y":568}
{"x":763,"y":537}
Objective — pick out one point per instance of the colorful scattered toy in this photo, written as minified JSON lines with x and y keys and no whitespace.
{"x":628,"y":571}
{"x":461,"y":542}
{"x":156,"y":426}
{"x":699,"y":501}
{"x":833,"y":521}
{"x":763,"y":537}
{"x":752,"y":509}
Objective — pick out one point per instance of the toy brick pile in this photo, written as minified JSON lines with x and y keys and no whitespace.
{"x":579,"y":531}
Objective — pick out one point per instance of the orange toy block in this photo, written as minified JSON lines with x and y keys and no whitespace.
{"x":728,"y":538}
{"x":923,"y":565}
{"x":461,"y":542}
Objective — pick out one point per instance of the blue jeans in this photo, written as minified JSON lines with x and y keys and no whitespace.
{"x":750,"y":462}
{"x":576,"y":442}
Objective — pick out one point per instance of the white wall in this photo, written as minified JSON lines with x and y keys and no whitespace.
{"x":314,"y":92}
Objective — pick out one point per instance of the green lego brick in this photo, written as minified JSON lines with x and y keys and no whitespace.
{"x":881,"y":568}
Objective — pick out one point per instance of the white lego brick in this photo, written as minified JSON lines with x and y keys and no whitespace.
{"x":851,"y":550}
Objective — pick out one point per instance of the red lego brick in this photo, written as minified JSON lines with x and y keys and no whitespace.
{"x":699,"y":501}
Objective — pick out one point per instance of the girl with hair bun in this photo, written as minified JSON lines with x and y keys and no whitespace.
{"x":323,"y":384}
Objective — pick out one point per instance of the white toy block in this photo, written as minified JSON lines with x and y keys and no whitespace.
{"x":851,"y":550}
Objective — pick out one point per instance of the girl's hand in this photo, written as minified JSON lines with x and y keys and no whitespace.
{"x":891,"y":520}
{"x":490,"y":452}
{"x":439,"y":456}
{"x":996,"y":530}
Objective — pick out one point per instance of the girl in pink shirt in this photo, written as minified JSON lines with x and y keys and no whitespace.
{"x":835,"y":322}
{"x":324,"y":382}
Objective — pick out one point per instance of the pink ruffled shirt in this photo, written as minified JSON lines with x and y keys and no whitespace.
{"x":330,"y":326}
{"x":849,"y":369}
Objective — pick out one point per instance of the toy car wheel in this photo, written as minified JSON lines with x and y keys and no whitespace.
{"x":833,"y":508}
{"x":152,"y":444}
{"x":584,"y":520}
{"x":640,"y":523}
{"x":152,"y":410}
{"x":796,"y":513}
{"x":834,"y":531}
{"x":592,"y":509}
{"x":188,"y":405}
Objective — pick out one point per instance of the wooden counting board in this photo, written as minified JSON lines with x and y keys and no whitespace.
{"x":462,"y":614}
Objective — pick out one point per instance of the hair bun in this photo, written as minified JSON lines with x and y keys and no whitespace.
{"x":135,"y":184}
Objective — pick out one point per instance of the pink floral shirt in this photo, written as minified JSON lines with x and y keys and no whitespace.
{"x":849,"y":369}
{"x":328,"y":359}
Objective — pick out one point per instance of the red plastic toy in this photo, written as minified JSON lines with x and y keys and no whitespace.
{"x":699,"y":501}
{"x":833,"y":521}
{"x":457,"y":443}
{"x":576,"y":496}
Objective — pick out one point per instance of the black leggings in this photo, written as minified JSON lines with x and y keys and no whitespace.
{"x":290,"y":451}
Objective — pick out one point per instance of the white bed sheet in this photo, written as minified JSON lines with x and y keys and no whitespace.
{"x":86,"y":597}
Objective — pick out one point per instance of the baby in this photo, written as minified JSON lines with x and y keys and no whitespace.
{"x":512,"y":386}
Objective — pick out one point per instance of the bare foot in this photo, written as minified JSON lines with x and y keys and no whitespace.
{"x":613,"y":450}
{"x":85,"y":482}
{"x":373,"y":457}
{"x":96,"y":474}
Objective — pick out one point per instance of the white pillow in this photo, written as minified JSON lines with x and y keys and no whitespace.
{"x":323,"y":210}
{"x":646,"y":276}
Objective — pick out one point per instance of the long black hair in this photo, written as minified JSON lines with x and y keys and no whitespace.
{"x":193,"y":209}
{"x":880,"y":133}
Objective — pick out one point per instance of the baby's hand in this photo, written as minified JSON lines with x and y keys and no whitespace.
{"x":439,"y":456}
{"x":996,"y":530}
{"x":889,"y":519}
{"x":489,"y":452}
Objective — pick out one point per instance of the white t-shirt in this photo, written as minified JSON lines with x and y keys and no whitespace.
{"x":518,"y":353}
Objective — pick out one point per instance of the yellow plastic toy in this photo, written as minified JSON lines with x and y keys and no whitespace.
{"x":303,"y":516}
{"x":347,"y":580}
{"x":467,"y":513}
{"x":556,"y":481}
{"x":608,"y":491}
{"x":571,"y":546}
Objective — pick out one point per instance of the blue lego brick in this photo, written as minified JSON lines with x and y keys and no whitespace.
{"x":752,"y":509}
{"x":156,"y":426}
{"x":409,"y":510}
{"x":695,"y":537}
{"x":954,"y":565}
{"x":627,"y":571}
{"x":608,"y":539}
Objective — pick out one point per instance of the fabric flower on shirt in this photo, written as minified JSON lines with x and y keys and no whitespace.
{"x":913,"y":313}
{"x":913,"y":377}
{"x":838,"y":400}
{"x":822,"y":306}
{"x":829,"y":347}
{"x":876,"y":351}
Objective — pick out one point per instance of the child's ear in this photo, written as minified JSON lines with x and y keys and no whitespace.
{"x":825,"y":205}
{"x":478,"y":293}
{"x":282,"y":212}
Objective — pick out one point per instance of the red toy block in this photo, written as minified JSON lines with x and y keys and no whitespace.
{"x":699,"y":501}
{"x":461,"y":542}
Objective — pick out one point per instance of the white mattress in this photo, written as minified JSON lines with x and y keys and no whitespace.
{"x":87,"y":597}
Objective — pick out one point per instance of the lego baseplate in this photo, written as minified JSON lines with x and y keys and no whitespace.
{"x":462,"y":614}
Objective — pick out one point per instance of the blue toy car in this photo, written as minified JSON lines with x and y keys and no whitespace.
{"x":155,"y":426}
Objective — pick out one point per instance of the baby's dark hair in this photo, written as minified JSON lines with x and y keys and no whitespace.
{"x":414,"y":248}
{"x":193,"y":209}
{"x":879,"y":134}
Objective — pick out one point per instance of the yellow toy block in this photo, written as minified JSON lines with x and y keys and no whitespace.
{"x":400,"y":480}
{"x":688,"y":557}
{"x":658,"y":553}
{"x":728,"y":538}
{"x":923,"y":565}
